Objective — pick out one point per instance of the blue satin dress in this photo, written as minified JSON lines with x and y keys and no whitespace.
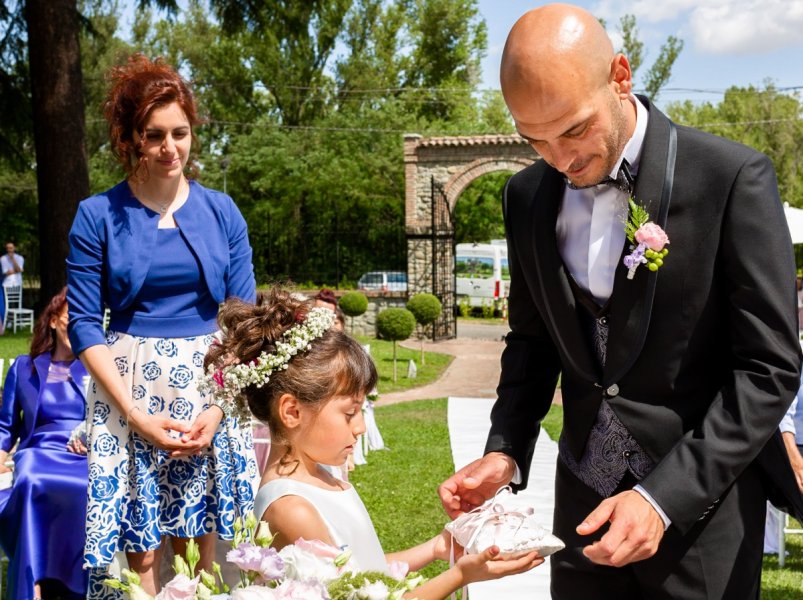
{"x":41,"y":516}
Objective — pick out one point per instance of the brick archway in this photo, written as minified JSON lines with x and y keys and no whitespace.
{"x":437,"y":170}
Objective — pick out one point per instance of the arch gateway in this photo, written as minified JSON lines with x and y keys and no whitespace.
{"x":437,"y":170}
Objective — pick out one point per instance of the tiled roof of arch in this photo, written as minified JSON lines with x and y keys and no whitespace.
{"x":474,"y":140}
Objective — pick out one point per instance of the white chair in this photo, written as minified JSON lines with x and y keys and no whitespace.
{"x":782,"y":532}
{"x":15,"y":314}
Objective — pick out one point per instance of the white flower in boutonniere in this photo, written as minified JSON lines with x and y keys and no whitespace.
{"x":647,"y":241}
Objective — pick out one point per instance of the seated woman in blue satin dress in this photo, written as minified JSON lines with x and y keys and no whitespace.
{"x":42,"y":514}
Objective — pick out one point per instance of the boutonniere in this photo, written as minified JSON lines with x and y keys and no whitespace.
{"x":647,"y":241}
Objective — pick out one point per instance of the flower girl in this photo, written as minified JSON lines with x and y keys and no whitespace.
{"x":307,"y":381}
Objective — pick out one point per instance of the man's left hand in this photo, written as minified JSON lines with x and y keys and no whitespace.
{"x":635,"y":532}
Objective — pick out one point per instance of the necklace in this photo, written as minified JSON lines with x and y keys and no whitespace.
{"x":162,"y":207}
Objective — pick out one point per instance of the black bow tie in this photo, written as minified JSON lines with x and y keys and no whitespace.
{"x":624,"y":180}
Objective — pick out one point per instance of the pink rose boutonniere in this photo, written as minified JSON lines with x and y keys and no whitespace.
{"x":647,"y":241}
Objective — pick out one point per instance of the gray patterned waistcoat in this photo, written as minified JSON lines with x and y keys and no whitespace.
{"x":610,"y":451}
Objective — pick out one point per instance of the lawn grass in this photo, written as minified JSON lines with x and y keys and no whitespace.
{"x":482,"y":320}
{"x":14,"y":344}
{"x":382,"y":353}
{"x":399,"y":487}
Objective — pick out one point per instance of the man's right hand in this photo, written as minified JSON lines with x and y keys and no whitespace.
{"x":475,"y":483}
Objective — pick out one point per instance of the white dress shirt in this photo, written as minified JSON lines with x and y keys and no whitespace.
{"x":14,"y":279}
{"x":591,"y":222}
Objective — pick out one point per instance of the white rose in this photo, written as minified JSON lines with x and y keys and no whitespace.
{"x":137,"y":593}
{"x":373,"y":591}
{"x":180,"y":587}
{"x":253,"y":592}
{"x":302,"y":565}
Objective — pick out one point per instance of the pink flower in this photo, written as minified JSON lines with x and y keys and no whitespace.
{"x":265,"y":561}
{"x":319,"y":548}
{"x":218,"y":378}
{"x":180,"y":587}
{"x":652,"y":235}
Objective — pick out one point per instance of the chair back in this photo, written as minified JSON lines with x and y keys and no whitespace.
{"x":13,"y":295}
{"x":16,"y":316}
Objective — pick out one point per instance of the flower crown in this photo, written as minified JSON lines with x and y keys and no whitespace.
{"x":225,"y":384}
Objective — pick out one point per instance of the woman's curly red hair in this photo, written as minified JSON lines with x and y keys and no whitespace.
{"x":44,"y":337}
{"x":137,"y":88}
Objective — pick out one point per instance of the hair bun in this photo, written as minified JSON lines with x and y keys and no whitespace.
{"x":248,"y":329}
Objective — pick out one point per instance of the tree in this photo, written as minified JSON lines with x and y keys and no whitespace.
{"x":660,"y":72}
{"x":291,"y":44}
{"x":45,"y":34}
{"x":395,"y":324}
{"x":353,"y":304}
{"x":449,"y":41}
{"x":426,"y":309}
{"x":478,"y":212}
{"x":765,"y":119}
{"x":58,"y":125}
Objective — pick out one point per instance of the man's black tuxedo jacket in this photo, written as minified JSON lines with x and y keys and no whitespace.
{"x":704,"y":352}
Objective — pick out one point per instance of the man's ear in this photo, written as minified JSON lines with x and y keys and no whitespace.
{"x":621,"y":76}
{"x":289,"y":411}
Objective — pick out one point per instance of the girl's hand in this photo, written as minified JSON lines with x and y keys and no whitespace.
{"x":4,"y":469}
{"x":442,"y":545}
{"x":487,"y":565}
{"x":202,"y":430}
{"x":155,"y":430}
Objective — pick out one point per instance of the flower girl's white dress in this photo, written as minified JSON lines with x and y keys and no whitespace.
{"x":343,"y":512}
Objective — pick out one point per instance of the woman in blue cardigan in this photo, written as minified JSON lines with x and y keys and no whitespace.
{"x":43,"y":399}
{"x":162,"y":252}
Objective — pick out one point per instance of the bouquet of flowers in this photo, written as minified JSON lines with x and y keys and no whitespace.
{"x":306,"y":570}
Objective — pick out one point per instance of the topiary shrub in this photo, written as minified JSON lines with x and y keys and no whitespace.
{"x":353,"y":304}
{"x":395,"y":324}
{"x":426,"y":309}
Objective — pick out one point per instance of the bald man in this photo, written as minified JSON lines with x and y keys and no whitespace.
{"x":674,"y":380}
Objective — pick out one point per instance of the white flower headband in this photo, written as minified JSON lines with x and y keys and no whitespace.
{"x":225,"y":384}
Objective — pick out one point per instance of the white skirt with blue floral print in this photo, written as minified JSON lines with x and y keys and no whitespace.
{"x":138,"y":493}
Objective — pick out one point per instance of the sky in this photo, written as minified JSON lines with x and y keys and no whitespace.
{"x":726,"y":42}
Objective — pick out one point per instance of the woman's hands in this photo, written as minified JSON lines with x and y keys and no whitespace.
{"x":204,"y":427}
{"x":157,"y":431}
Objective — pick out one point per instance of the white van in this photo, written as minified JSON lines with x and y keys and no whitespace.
{"x":384,"y":281}
{"x":481,"y":272}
